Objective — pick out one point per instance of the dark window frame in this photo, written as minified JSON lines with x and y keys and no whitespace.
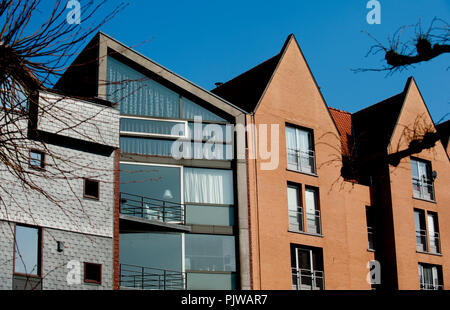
{"x":90,"y":281}
{"x":312,"y":148}
{"x":36,"y":151}
{"x":85,"y":180}
{"x":39,"y":255}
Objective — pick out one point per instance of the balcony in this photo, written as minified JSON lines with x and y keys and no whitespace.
{"x":145,"y":278}
{"x":144,"y":214}
{"x":423,"y":189}
{"x":306,"y":279}
{"x":302,"y":161}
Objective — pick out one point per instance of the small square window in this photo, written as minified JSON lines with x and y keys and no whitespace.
{"x":92,"y":273}
{"x":91,"y":189}
{"x":37,"y":159}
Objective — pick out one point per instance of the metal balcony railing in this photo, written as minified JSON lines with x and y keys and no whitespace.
{"x":423,"y":189}
{"x":146,"y":278}
{"x":296,"y":219}
{"x":431,"y":287}
{"x":303,"y":161}
{"x":435,"y":243}
{"x":305,"y":279}
{"x":371,"y":237}
{"x":421,"y":240}
{"x":313,"y":222}
{"x":152,"y":209}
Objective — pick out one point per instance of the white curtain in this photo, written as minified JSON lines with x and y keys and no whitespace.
{"x":208,"y":186}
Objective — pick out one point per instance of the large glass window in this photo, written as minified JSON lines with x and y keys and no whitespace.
{"x":433,"y":232}
{"x":138,"y":94}
{"x":191,"y":110}
{"x":211,"y":281}
{"x":210,"y":253}
{"x":370,"y":219}
{"x":152,"y":127}
{"x":27,"y":257}
{"x":300,"y":150}
{"x":312,"y":210}
{"x":208,"y":186}
{"x":422,"y":179}
{"x":430,"y":277}
{"x":307,"y":268}
{"x":295,"y":209}
{"x":421,"y":230}
{"x":210,"y":215}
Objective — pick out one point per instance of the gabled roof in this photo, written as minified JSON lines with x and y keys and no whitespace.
{"x":246,"y":89}
{"x":343,"y":121}
{"x":374,"y":126}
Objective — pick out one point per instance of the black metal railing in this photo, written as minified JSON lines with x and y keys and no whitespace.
{"x":152,"y":209}
{"x":431,"y":287}
{"x":296,"y":219}
{"x":305,"y":279}
{"x":303,"y":161}
{"x":423,"y":189}
{"x":421,"y":240}
{"x":145,"y":278}
{"x":313,"y":222}
{"x":435,"y":243}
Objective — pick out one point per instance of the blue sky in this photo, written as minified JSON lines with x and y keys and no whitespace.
{"x":211,"y":41}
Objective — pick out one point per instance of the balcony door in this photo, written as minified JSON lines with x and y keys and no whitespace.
{"x":307,"y":269}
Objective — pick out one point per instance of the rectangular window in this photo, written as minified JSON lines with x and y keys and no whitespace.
{"x":294,"y":207}
{"x":91,"y":189}
{"x":370,"y":218}
{"x":430,"y":277}
{"x":135,"y":126}
{"x":37,"y":159}
{"x":92,"y":273}
{"x":313,"y":222}
{"x":300,"y":150}
{"x":422,"y":179}
{"x":433,"y":232}
{"x":307,"y":268}
{"x":208,"y":186}
{"x":421,"y":230}
{"x":210,"y":253}
{"x":27,"y":252}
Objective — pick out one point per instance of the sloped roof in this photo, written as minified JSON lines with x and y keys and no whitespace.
{"x":246,"y":89}
{"x":343,"y":121}
{"x":374,"y":125}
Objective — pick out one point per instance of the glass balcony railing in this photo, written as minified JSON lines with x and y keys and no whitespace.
{"x":152,"y":209}
{"x":302,"y":161}
{"x":305,"y":279}
{"x":145,"y":278}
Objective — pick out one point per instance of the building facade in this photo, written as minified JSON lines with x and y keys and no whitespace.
{"x":183,"y":221}
{"x":352,"y":203}
{"x":57,"y":231}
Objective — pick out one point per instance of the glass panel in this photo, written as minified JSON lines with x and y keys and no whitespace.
{"x":295,"y":211}
{"x":211,"y":186}
{"x":421,"y":232}
{"x":300,"y":151}
{"x":36,"y":159}
{"x":211,"y":281}
{"x":153,"y":250}
{"x":145,"y":146}
{"x":207,"y":215}
{"x":433,"y":232}
{"x":221,"y":133}
{"x":291,"y":145}
{"x":153,"y":127}
{"x":210,"y":253}
{"x":312,"y":212}
{"x":158,"y":182}
{"x":139,"y":95}
{"x":27,"y":251}
{"x":191,"y":110}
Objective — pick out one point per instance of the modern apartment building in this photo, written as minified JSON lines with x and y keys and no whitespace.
{"x":56,"y":215}
{"x":349,"y":189}
{"x":183,"y":220}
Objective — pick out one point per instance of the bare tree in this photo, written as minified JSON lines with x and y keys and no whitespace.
{"x":424,"y":46}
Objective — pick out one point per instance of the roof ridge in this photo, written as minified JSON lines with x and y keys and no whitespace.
{"x":331,"y":108}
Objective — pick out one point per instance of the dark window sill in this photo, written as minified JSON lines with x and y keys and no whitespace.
{"x":305,"y":233}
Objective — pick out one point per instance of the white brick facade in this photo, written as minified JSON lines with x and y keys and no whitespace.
{"x":84,"y":225}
